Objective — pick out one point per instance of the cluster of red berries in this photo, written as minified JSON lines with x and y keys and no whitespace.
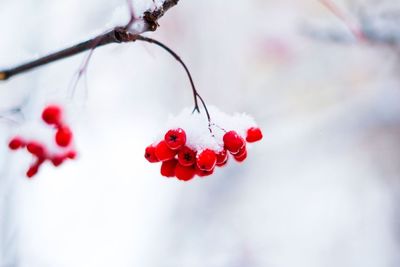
{"x":51,"y":115}
{"x":180,"y":161}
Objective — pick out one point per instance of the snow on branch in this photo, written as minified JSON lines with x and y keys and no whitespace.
{"x":148,"y":21}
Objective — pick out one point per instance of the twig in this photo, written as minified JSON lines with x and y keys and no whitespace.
{"x":149,"y":22}
{"x":351,"y":25}
{"x":85,"y":63}
{"x":176,"y":56}
{"x":117,"y":35}
{"x":127,"y":33}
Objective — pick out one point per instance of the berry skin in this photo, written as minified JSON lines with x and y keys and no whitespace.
{"x":150,"y":154}
{"x":175,"y":138}
{"x":52,"y":115}
{"x":241,"y":152}
{"x":36,"y":149}
{"x":254,"y":134}
{"x":32,"y":171}
{"x":164,"y":152}
{"x":233,"y":142}
{"x":63,"y":136}
{"x":241,"y":156}
{"x":71,"y":154}
{"x":222,"y":158}
{"x":16,"y":143}
{"x":187,"y":156}
{"x":57,"y":160}
{"x":184,"y":173}
{"x":206,"y":160}
{"x":168,"y":168}
{"x":202,"y":173}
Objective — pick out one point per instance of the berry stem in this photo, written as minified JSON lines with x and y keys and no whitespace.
{"x":219,"y":127}
{"x":196,"y":94}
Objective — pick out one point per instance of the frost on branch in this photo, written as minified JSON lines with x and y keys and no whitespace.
{"x":136,"y":14}
{"x":192,"y":145}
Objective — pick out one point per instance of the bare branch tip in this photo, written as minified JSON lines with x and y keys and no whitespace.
{"x":3,"y":76}
{"x":117,"y":35}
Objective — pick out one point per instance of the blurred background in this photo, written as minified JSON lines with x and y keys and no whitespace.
{"x":321,"y":189}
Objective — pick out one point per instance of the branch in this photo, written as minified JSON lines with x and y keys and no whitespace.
{"x":350,"y":24}
{"x":128,"y":33}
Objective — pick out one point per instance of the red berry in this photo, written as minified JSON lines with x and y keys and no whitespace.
{"x":206,"y":160}
{"x":164,"y":152}
{"x":57,"y":160}
{"x":242,"y":151}
{"x":241,"y":156}
{"x":175,"y":138}
{"x":63,"y":136}
{"x":52,"y":115}
{"x":16,"y":143}
{"x":71,"y":154}
{"x":32,"y":171}
{"x":184,"y":173}
{"x":202,"y":173}
{"x":186,"y":156}
{"x":36,"y":149}
{"x":168,"y":168}
{"x":150,"y":154}
{"x":254,"y":134}
{"x":222,"y":158}
{"x":233,"y":142}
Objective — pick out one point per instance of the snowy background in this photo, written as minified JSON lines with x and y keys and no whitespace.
{"x":321,"y":189}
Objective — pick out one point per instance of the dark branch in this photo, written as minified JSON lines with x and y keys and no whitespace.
{"x":149,"y":22}
{"x":110,"y":37}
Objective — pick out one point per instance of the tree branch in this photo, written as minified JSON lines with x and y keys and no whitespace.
{"x":128,"y":33}
{"x":354,"y":28}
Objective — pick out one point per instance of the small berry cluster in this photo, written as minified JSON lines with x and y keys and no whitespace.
{"x":183,"y":162}
{"x":51,"y":115}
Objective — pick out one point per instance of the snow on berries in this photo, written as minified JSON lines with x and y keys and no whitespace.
{"x":56,"y":153}
{"x":193,"y":146}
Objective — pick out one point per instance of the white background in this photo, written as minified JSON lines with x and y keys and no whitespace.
{"x":320,"y":190}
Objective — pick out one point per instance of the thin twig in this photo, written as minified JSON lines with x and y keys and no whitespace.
{"x":116,"y":35}
{"x":175,"y":55}
{"x":351,"y":25}
{"x":84,"y":64}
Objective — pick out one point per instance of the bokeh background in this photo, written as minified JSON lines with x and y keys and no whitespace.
{"x":320,"y":190}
